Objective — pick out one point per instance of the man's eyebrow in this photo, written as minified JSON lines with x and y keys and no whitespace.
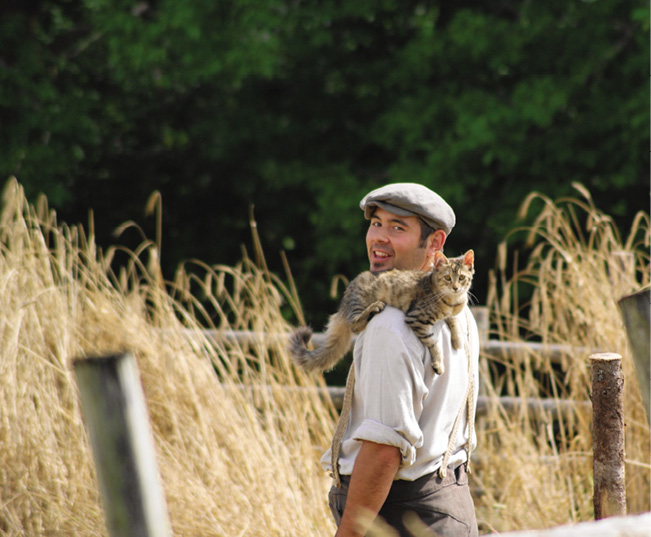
{"x":399,"y":221}
{"x":393,"y":221}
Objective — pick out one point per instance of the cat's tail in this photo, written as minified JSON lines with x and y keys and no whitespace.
{"x":337,"y":342}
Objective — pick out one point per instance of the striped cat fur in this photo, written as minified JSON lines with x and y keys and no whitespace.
{"x":425,"y":297}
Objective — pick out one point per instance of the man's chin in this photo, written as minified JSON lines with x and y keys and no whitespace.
{"x":380,"y":267}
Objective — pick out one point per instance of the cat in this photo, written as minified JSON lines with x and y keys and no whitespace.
{"x":425,"y":297}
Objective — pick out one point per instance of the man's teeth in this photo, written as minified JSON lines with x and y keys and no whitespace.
{"x":381,"y":254}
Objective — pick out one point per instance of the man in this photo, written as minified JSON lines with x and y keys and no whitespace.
{"x":402,"y":413}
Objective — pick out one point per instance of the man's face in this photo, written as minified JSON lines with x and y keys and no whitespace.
{"x":393,"y":241}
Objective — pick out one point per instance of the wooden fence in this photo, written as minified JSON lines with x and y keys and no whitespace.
{"x":488,"y":347}
{"x":115,"y":414}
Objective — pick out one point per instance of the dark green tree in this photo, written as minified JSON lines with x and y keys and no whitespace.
{"x":301,"y":107}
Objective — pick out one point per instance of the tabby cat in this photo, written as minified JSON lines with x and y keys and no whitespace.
{"x":424,"y":297}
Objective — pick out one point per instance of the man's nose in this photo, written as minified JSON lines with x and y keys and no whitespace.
{"x":378,"y":235}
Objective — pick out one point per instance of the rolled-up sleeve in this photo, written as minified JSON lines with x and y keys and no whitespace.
{"x":390,"y":388}
{"x":379,"y":433}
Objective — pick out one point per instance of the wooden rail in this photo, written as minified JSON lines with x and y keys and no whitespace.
{"x":510,"y":405}
{"x":488,"y":347}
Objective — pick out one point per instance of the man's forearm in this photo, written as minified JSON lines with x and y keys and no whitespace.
{"x":373,"y":473}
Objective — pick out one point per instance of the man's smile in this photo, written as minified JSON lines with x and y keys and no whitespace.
{"x":381,"y":254}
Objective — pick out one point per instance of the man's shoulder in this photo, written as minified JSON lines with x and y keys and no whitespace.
{"x":388,"y":338}
{"x":389,"y":323}
{"x":388,"y":317}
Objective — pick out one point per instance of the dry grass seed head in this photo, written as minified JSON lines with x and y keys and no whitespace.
{"x":59,"y":301}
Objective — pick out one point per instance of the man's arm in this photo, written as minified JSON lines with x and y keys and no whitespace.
{"x":375,"y":467}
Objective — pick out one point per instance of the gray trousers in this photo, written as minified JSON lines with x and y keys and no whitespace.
{"x":444,"y":505}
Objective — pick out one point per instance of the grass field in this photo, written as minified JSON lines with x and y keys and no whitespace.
{"x":244,"y":462}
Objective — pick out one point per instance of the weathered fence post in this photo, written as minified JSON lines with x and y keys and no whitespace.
{"x":480,"y":313}
{"x":635,"y":311}
{"x":608,"y":435}
{"x":114,"y":410}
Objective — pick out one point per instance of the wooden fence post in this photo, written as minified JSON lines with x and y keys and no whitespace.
{"x":635,"y":311}
{"x":114,"y":410}
{"x":608,"y":435}
{"x":480,"y":313}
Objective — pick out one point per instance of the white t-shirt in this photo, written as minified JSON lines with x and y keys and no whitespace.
{"x":398,"y":400}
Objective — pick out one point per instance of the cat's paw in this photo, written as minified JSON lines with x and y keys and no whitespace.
{"x":375,"y":308}
{"x":437,"y":359}
{"x":438,"y":367}
{"x":359,"y":323}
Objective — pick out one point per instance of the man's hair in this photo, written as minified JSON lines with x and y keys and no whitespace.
{"x":425,"y":232}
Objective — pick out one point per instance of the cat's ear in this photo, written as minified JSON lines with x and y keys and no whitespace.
{"x":469,"y":258}
{"x":439,"y":257}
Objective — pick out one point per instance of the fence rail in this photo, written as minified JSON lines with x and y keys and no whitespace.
{"x":488,"y":347}
{"x":510,"y":405}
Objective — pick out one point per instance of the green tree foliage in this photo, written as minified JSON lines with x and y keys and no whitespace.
{"x":300,"y":107}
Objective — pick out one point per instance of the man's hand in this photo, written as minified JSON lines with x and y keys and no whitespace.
{"x":375,"y":468}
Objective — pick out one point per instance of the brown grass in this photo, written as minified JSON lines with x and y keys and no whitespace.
{"x":245,"y":461}
{"x":233,"y":461}
{"x":536,"y":471}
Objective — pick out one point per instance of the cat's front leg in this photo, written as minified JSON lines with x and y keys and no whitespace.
{"x":359,"y":322}
{"x":455,"y":332}
{"x":435,"y":352}
{"x":437,"y":358}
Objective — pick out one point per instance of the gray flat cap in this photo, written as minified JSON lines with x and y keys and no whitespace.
{"x":411,"y":199}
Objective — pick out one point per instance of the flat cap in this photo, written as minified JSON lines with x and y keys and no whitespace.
{"x":411,"y":199}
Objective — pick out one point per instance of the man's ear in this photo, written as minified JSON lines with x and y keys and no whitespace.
{"x":435,"y":242}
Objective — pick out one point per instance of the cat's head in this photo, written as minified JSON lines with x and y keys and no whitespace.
{"x":467,"y":259}
{"x":454,"y":274}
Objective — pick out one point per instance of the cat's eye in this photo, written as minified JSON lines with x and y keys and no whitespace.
{"x":448,"y":278}
{"x":461,"y":278}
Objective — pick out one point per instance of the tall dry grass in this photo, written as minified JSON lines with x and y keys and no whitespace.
{"x":536,"y":468}
{"x":243,"y":462}
{"x":233,"y":461}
